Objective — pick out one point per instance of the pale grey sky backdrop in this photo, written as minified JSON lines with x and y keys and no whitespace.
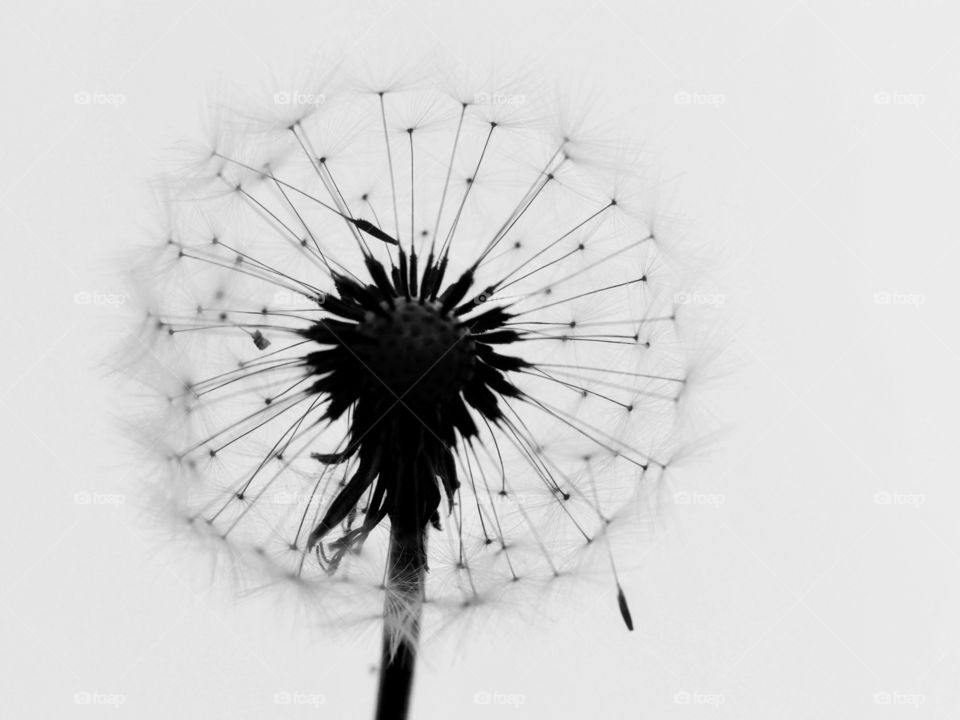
{"x":810,"y":573}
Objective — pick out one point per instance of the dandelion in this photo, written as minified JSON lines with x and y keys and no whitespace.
{"x":417,"y":346}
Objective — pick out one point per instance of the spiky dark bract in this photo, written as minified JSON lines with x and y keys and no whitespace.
{"x":410,"y":367}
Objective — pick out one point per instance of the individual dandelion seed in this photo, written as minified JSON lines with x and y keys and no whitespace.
{"x":417,"y":350}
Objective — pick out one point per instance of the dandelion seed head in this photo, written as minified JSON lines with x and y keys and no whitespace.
{"x":437,"y":300}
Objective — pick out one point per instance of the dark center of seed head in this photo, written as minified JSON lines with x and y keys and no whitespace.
{"x":417,"y":352}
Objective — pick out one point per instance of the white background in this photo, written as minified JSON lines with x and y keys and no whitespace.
{"x":813,"y":572}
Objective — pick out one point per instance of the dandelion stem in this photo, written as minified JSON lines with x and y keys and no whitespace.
{"x":401,"y":621}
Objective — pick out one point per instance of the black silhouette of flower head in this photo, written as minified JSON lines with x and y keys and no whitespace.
{"x":418,"y":347}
